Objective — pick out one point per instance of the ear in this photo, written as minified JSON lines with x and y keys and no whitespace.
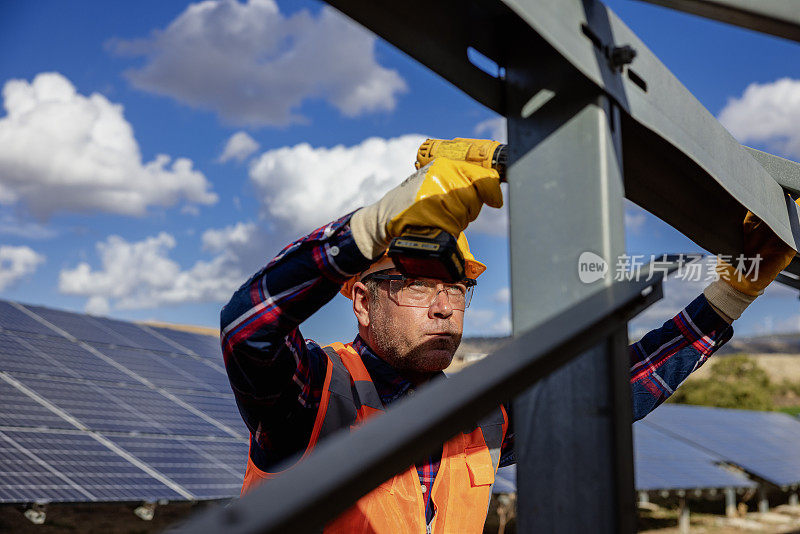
{"x":361,"y":304}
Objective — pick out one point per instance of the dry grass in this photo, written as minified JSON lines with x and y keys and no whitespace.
{"x":779,"y":367}
{"x":205,"y":330}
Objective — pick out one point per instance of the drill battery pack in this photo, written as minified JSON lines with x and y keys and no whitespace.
{"x":428,"y":253}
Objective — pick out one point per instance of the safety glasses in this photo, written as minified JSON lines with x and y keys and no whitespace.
{"x":422,"y":292}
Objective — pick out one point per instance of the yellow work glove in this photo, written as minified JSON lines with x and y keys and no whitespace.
{"x":444,"y":194}
{"x":736,"y":289}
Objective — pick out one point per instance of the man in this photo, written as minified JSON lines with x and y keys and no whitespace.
{"x":291,"y":392}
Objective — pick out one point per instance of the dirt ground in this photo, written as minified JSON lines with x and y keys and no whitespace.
{"x":120,"y":519}
{"x":107,"y":518}
{"x":779,"y":520}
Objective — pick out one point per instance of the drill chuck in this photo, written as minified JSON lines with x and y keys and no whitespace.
{"x":483,"y":152}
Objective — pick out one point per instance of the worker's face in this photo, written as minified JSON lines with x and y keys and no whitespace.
{"x":419,"y":340}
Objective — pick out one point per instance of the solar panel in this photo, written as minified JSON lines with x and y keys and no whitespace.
{"x":14,"y":356}
{"x":13,"y":319}
{"x":762,"y":443}
{"x":505,"y":480}
{"x":220,"y":407}
{"x":135,"y":335}
{"x":200,"y":344}
{"x":120,"y":408}
{"x":18,"y":409}
{"x":82,"y":327}
{"x":96,"y":407}
{"x":169,"y":416}
{"x":157,"y":369}
{"x":203,"y":474}
{"x":38,"y":466}
{"x":211,"y":375}
{"x":664,"y":462}
{"x":66,"y":358}
{"x":232,"y":453}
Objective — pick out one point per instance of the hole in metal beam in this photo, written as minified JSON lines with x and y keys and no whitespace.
{"x":635,"y":78}
{"x":486,"y":64}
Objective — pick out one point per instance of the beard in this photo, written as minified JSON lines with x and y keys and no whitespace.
{"x":432,"y":355}
{"x":426,"y":356}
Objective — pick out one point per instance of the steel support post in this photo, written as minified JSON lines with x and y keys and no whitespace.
{"x":683,"y":516}
{"x":763,"y":501}
{"x":730,"y":503}
{"x":573,"y":432}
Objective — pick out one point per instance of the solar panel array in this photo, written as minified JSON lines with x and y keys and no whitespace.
{"x":679,"y":447}
{"x":764,"y":444}
{"x":95,"y":409}
{"x":665,"y":462}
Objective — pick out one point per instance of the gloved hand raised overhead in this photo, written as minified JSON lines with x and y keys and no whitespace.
{"x":444,"y":194}
{"x":735,"y":290}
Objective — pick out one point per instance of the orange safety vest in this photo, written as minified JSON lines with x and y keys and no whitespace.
{"x":463,"y":484}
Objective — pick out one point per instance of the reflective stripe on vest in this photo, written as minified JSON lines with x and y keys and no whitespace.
{"x":463,"y":485}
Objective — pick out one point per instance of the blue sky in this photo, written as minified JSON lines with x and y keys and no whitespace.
{"x":154,"y":154}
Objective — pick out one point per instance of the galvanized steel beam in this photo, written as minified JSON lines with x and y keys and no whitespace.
{"x":681,"y":164}
{"x":776,"y":17}
{"x":573,"y":429}
{"x":784,"y":171}
{"x":678,"y":156}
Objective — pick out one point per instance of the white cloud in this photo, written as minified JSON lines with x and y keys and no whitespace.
{"x":679,"y":290}
{"x":17,"y":263}
{"x":492,"y":221}
{"x":778,"y":290}
{"x":240,"y":146}
{"x":254,"y":66}
{"x":220,"y":240}
{"x":494,"y":128}
{"x":502,"y":296}
{"x":302,"y":187}
{"x":97,"y":305}
{"x":784,"y":324}
{"x":13,"y":225}
{"x":502,"y":326}
{"x":486,"y":322}
{"x":767,"y":113}
{"x":64,"y":152}
{"x":141,"y":275}
{"x":635,"y":218}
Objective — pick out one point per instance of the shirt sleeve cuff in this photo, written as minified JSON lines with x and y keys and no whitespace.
{"x":700,"y":322}
{"x":339,"y":257}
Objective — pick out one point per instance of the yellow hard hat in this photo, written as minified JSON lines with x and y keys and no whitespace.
{"x":472,"y":267}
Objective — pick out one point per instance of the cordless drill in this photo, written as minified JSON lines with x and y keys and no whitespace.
{"x":431,"y":252}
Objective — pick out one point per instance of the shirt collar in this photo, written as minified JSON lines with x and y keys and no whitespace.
{"x":389,"y":383}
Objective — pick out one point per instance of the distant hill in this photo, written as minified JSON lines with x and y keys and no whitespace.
{"x":205,"y":330}
{"x":471,"y":347}
{"x":770,"y":344}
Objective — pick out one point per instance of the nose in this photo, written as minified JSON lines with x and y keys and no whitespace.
{"x":440,"y":307}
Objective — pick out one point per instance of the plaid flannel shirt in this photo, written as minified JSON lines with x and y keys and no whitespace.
{"x":277,"y":376}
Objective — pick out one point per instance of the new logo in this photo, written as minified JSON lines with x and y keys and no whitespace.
{"x":591,"y":267}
